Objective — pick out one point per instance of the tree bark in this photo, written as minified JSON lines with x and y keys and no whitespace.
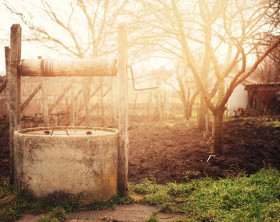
{"x":202,"y":113}
{"x":218,"y":119}
{"x":218,"y":132}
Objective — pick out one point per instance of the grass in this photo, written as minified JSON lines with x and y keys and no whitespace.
{"x":254,"y":198}
{"x":13,"y":204}
{"x":272,"y":123}
{"x":242,"y":198}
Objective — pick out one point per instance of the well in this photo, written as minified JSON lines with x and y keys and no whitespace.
{"x":67,"y":162}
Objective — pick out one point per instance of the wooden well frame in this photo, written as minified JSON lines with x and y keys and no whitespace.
{"x":15,"y":68}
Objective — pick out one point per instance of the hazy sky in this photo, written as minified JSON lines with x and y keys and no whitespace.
{"x":6,"y":21}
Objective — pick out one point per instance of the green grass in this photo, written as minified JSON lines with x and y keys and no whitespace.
{"x":242,"y":198}
{"x":272,"y":123}
{"x":169,"y":124}
{"x":254,"y":198}
{"x":13,"y":204}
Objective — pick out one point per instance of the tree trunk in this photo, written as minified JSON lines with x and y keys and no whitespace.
{"x":218,"y":119}
{"x":202,"y":112}
{"x":187,"y":110}
{"x":218,"y":132}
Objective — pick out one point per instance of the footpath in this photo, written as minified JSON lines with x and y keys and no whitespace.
{"x":122,"y":213}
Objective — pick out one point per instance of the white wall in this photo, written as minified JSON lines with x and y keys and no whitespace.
{"x":238,"y":99}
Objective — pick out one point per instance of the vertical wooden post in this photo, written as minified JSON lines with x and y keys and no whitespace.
{"x":44,"y":103}
{"x":101,"y":101}
{"x":86,"y":98}
{"x":72,"y":112}
{"x":123,"y":111}
{"x":112,"y":100}
{"x":13,"y":89}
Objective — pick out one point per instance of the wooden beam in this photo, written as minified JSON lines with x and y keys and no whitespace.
{"x":73,"y":67}
{"x":26,"y":102}
{"x":3,"y":86}
{"x":44,"y":103}
{"x":123,"y":111}
{"x":66,"y":89}
{"x":96,"y":105}
{"x":90,"y":97}
{"x":12,"y":56}
{"x":72,"y":110}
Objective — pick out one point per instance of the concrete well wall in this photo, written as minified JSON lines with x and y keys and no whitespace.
{"x":59,"y":166}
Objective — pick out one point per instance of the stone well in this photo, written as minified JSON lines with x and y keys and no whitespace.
{"x":67,"y":162}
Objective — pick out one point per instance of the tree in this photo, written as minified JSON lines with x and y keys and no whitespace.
{"x":269,"y":69}
{"x":187,"y":90}
{"x":215,"y":37}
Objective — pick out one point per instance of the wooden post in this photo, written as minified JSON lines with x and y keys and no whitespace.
{"x":44,"y":103}
{"x":72,"y":112}
{"x":123,"y":111}
{"x":101,"y":101}
{"x":30,"y":97}
{"x":13,"y":55}
{"x":112,"y":101}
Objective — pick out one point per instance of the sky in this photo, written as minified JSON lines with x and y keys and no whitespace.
{"x":29,"y":49}
{"x":33,"y":49}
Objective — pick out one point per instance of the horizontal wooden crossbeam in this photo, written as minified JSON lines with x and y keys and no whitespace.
{"x":71,"y":67}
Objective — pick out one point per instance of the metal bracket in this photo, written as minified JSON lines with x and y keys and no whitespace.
{"x":133,"y":82}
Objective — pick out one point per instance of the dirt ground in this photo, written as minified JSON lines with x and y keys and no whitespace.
{"x":172,"y":151}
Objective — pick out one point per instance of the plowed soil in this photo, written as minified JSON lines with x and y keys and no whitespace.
{"x":177,"y":153}
{"x":165,"y":152}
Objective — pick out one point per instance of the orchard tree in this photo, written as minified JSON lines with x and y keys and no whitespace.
{"x":186,"y":88}
{"x":269,"y":69}
{"x":219,"y":35}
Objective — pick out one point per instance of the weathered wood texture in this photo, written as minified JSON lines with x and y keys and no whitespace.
{"x":72,"y":110}
{"x":74,"y":67}
{"x":30,"y":97}
{"x":63,"y":93}
{"x":95,"y":106}
{"x":123,"y":111}
{"x":3,"y":86}
{"x":13,"y":55}
{"x":45,"y":103}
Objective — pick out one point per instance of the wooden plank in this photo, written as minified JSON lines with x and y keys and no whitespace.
{"x":84,"y":117}
{"x":90,"y":97}
{"x":95,"y":106}
{"x":101,"y":101}
{"x":72,"y":110}
{"x":66,"y":89}
{"x":3,"y":86}
{"x":70,"y":67}
{"x":30,"y":97}
{"x":44,"y":103}
{"x":12,"y":56}
{"x":112,"y":101}
{"x":123,"y":111}
{"x":86,"y":95}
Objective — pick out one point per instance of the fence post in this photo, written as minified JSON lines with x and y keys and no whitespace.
{"x":44,"y":103}
{"x":13,"y":55}
{"x":123,"y":111}
{"x":72,"y":109}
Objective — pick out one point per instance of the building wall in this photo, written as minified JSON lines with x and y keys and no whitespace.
{"x":262,"y":98}
{"x":238,"y":101}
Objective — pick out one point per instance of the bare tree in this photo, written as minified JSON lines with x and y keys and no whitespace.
{"x":269,"y":69}
{"x":82,"y":28}
{"x":187,"y":90}
{"x":219,"y":35}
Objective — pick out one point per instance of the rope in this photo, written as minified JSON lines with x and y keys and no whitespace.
{"x":47,"y":67}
